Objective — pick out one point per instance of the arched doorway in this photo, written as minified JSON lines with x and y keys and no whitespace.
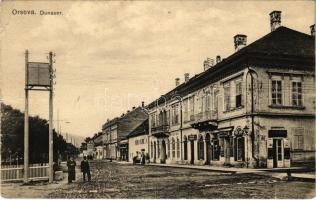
{"x":192,"y":151}
{"x":201,"y":148}
{"x":208,"y":149}
{"x":154,"y":151}
{"x":163,"y":152}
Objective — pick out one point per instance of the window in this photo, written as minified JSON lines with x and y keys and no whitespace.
{"x":215,"y":101}
{"x":297,"y":93}
{"x":226,"y":97}
{"x":276,"y":92}
{"x":175,"y":114}
{"x":201,"y":149}
{"x":238,"y":94}
{"x":173,"y":148}
{"x":185,"y":110}
{"x":178,"y":148}
{"x":153,"y":120}
{"x":208,"y":102}
{"x":298,"y":139}
{"x":191,"y":108}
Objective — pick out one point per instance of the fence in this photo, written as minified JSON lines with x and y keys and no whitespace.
{"x":16,"y":172}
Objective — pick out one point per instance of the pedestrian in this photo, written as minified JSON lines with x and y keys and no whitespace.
{"x":85,"y":169}
{"x":142,"y":158}
{"x":71,"y":164}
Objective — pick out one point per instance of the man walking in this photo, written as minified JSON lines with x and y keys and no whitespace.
{"x":85,"y":169}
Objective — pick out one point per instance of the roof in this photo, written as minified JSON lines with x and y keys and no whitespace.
{"x":142,"y":129}
{"x":282,"y":43}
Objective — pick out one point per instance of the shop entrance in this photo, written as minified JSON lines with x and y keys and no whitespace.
{"x":208,"y":149}
{"x":278,"y":153}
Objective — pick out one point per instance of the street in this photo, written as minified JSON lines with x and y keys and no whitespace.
{"x":113,"y":180}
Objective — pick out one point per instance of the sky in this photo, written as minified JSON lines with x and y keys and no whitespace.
{"x":112,"y":55}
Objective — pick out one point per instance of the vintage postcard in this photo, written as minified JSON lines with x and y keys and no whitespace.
{"x":157,"y":99}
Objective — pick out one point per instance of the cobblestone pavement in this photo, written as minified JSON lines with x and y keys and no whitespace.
{"x":112,"y":180}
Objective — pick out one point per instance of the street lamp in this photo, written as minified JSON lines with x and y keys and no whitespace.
{"x":246,"y":132}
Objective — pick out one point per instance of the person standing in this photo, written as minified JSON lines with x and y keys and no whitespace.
{"x":71,"y":164}
{"x":85,"y":169}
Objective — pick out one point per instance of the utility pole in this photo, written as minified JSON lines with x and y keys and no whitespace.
{"x":51,"y":142}
{"x":26,"y":122}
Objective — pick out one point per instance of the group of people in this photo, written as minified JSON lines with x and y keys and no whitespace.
{"x":84,"y":166}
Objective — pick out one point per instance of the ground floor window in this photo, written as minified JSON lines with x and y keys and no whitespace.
{"x":151,"y":149}
{"x":201,"y":149}
{"x":178,"y":148}
{"x":185,"y":149}
{"x":158,"y":149}
{"x":168,"y":148}
{"x":173,"y":148}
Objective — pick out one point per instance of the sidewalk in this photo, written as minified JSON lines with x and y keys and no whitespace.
{"x":280,"y":173}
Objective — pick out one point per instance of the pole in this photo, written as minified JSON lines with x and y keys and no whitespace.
{"x":51,"y":172}
{"x":26,"y":122}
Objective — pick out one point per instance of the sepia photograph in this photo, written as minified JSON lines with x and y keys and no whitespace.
{"x":157,"y":99}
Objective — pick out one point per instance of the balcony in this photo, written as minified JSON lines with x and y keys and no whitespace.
{"x":205,"y":120}
{"x":160,"y":130}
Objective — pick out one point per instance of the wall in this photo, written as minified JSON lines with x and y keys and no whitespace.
{"x":133,"y":147}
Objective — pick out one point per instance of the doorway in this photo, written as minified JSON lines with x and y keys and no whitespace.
{"x":277,"y":153}
{"x":192,"y":152}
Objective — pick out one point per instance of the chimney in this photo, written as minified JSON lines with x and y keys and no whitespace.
{"x":186,"y":77}
{"x":275,"y":20}
{"x":177,"y":81}
{"x":143,"y":104}
{"x":218,"y":59}
{"x":208,"y":63}
{"x":312,"y":27}
{"x":240,"y":41}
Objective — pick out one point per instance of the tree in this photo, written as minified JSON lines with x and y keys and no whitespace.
{"x":12,"y":140}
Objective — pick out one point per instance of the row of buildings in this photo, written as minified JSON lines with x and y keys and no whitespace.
{"x":255,"y":108}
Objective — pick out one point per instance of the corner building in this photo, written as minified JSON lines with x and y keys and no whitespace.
{"x":256,"y":108}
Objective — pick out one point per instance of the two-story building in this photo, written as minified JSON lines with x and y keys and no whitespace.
{"x":115,"y":132}
{"x":255,"y":108}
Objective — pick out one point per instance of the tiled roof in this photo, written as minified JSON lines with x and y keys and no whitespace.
{"x":283,"y":42}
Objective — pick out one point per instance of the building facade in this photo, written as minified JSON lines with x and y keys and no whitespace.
{"x":256,"y":108}
{"x":114,"y":133}
{"x":138,"y":141}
